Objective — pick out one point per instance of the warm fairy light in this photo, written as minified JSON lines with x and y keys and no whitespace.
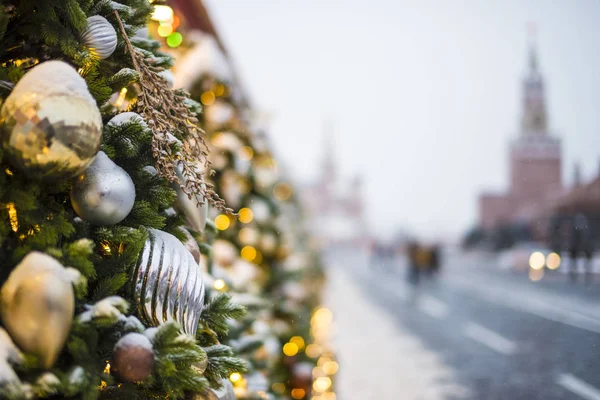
{"x":322,"y":316}
{"x":165,"y":30}
{"x":322,"y":384}
{"x":318,"y":372}
{"x":313,"y":350}
{"x":553,"y":261}
{"x":298,"y":393}
{"x":537,"y":260}
{"x":298,"y":341}
{"x":245,"y":215}
{"x":331,"y":367}
{"x":219,"y":284}
{"x":235,"y":377}
{"x":246,"y":153}
{"x":174,"y":39}
{"x":207,"y":98}
{"x":248,"y":253}
{"x":222,"y":222}
{"x":106,"y":247}
{"x":282,"y":191}
{"x":278,"y":387}
{"x":107,"y":368}
{"x":8,"y":172}
{"x":121,"y":98}
{"x":219,"y":89}
{"x":328,"y":396}
{"x":12,"y":216}
{"x":290,"y":349}
{"x":163,"y":13}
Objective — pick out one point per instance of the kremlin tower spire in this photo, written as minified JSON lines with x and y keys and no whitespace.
{"x":534,"y":121}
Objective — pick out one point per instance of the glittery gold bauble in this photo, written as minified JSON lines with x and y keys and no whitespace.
{"x":37,"y":305}
{"x":50,"y":125}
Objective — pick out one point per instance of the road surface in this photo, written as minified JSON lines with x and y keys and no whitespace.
{"x":475,"y":332}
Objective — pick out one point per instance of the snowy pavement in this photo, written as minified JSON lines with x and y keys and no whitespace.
{"x":379,"y":359}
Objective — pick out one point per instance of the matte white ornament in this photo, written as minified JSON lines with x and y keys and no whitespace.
{"x":100,"y":37}
{"x":37,"y":305}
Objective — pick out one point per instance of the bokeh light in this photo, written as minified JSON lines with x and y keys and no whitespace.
{"x":290,"y":349}
{"x":537,"y":260}
{"x":553,"y":261}
{"x":245,"y":215}
{"x":174,"y":39}
{"x":222,"y":222}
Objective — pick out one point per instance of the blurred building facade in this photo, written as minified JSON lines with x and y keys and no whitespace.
{"x":535,"y":161}
{"x":335,"y":207}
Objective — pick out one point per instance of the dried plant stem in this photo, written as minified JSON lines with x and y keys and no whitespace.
{"x":166,"y":114}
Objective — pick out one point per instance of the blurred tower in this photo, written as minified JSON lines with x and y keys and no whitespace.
{"x":535,"y":157}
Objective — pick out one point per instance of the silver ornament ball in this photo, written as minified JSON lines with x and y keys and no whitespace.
{"x":167,"y":283}
{"x":51,"y":127}
{"x":104,"y":194}
{"x":99,"y":37}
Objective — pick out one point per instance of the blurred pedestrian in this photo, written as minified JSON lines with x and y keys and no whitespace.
{"x":413,"y":262}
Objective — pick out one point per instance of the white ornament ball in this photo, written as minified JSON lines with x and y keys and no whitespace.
{"x":104,"y":194}
{"x":100,"y":37}
{"x":51,"y":126}
{"x":37,"y":305}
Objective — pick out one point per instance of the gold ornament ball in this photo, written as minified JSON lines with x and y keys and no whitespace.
{"x":133,"y":358}
{"x":37,"y":305}
{"x":50,"y":125}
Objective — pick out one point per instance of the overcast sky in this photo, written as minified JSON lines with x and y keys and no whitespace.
{"x":424,"y":94}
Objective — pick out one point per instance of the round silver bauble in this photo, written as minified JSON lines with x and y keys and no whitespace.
{"x":104,"y":194}
{"x":99,"y":37}
{"x":167,"y":283}
{"x":51,"y":127}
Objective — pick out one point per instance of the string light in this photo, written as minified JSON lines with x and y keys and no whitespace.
{"x":321,"y":384}
{"x":207,"y":98}
{"x":313,"y":350}
{"x":121,"y":98}
{"x":248,"y":253}
{"x":12,"y":216}
{"x":331,"y":367}
{"x":298,"y":393}
{"x":298,"y":341}
{"x":282,"y":191}
{"x":162,"y":13}
{"x":219,"y":284}
{"x":245,"y":215}
{"x":222,"y":222}
{"x":290,"y":349}
{"x":107,"y":368}
{"x":174,"y":39}
{"x":235,"y":377}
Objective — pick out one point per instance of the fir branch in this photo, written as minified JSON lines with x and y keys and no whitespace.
{"x":221,"y":364}
{"x":166,"y":113}
{"x":218,"y":310}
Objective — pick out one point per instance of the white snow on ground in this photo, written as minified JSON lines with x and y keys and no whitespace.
{"x":379,"y":360}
